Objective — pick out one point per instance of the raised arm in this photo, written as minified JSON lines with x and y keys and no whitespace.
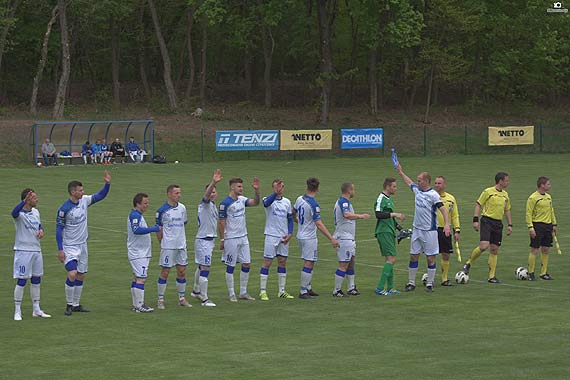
{"x":217,"y":177}
{"x":406,"y":179}
{"x":104,"y":191}
{"x":256,"y":186}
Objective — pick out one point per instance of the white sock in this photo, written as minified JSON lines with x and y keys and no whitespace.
{"x":203,"y":287}
{"x":69,"y":294}
{"x":133,"y":296}
{"x":230,"y":284}
{"x":35,"y":295}
{"x":18,"y":296}
{"x":412,"y":275}
{"x":263,"y":282}
{"x":431,"y":276}
{"x":243,"y":280}
{"x":306,"y":281}
{"x":161,"y":289}
{"x":181,"y":287}
{"x":350,"y":282}
{"x":139,"y":297}
{"x":282,"y":279}
{"x":197,"y":288}
{"x":338,"y":279}
{"x":77,"y":290}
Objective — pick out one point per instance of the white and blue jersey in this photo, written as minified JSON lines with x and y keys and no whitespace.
{"x":345,"y":229}
{"x":427,"y":203}
{"x":278,"y":216}
{"x":139,"y":241}
{"x":27,"y":227}
{"x":173,"y":220}
{"x":308,"y":212}
{"x":207,"y":220}
{"x":71,"y":222}
{"x":233,"y":212}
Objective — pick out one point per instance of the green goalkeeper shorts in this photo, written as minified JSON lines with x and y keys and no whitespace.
{"x":387,"y":243}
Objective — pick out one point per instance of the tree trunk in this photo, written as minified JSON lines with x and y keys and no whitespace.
{"x":372,"y":81}
{"x":326,"y":13}
{"x":59,"y":106}
{"x":115,"y":63}
{"x":167,"y":71}
{"x":191,"y":63}
{"x":4,"y":34}
{"x":428,"y":104}
{"x":42,"y":63}
{"x":180,"y":74}
{"x":268,"y":43}
{"x":203,"y":63}
{"x":353,"y":57}
{"x":141,"y":56}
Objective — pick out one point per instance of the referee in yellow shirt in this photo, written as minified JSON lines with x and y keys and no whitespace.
{"x":445,"y":244}
{"x":492,"y":204}
{"x":541,"y":223}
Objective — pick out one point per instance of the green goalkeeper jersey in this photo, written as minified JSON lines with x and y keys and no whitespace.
{"x":385,"y":204}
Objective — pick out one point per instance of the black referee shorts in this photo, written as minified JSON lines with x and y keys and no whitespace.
{"x":445,"y":245}
{"x":491,"y":230}
{"x":543,"y":235}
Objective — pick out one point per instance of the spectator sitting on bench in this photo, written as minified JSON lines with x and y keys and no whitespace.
{"x":117,"y":150}
{"x":96,"y":150}
{"x":49,"y":152}
{"x":135,"y":152}
{"x":105,"y":153}
{"x":86,"y":152}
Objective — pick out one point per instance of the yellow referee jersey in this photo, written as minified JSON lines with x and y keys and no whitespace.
{"x":451,"y":205}
{"x":539,"y":209}
{"x":494,"y":203}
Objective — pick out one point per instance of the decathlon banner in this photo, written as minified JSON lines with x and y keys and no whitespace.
{"x":362,"y":138}
{"x":309,"y":139}
{"x":247,"y":140}
{"x":511,"y":135}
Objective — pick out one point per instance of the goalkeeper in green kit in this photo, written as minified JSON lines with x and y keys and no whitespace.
{"x":386,"y":226}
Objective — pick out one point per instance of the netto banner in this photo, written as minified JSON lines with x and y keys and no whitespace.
{"x":511,"y":135}
{"x":362,"y":138}
{"x":308,"y":139}
{"x":247,"y":140}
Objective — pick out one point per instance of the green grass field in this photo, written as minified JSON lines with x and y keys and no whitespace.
{"x":478,"y":331}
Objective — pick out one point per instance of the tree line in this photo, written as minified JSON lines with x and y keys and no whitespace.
{"x":339,"y":52}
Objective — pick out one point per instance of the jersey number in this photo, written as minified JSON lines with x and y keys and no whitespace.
{"x":22,"y":269}
{"x":301,"y":215}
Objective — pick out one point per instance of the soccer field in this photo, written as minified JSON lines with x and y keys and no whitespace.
{"x":516,"y":329}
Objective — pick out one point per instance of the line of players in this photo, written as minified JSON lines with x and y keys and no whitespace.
{"x":229,"y":219}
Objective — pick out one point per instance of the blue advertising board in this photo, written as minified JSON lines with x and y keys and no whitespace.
{"x":362,"y":138}
{"x":247,"y":140}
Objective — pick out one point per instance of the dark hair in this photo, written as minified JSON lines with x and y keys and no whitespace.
{"x":276,"y":180}
{"x":540,"y":181}
{"x":72,"y":185}
{"x":87,"y":142}
{"x":442,"y":177}
{"x":213,"y":187}
{"x":313,"y":184}
{"x":171,"y":187}
{"x":345,"y":187}
{"x":500,"y":176}
{"x":139,"y":198}
{"x":388,"y":181}
{"x":235,"y":180}
{"x":25,"y":193}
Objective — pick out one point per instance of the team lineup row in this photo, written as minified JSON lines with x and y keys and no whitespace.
{"x":226,"y":221}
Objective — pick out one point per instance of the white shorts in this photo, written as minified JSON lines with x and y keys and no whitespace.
{"x":140,"y":267}
{"x":78,"y":253}
{"x":236,"y":251}
{"x":274,"y":247}
{"x":172,"y":257}
{"x":346,"y":251}
{"x":28,"y":264}
{"x":308,"y":248}
{"x":424,"y":242}
{"x":203,"y":249}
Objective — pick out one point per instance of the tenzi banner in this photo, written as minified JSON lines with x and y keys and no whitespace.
{"x":511,"y":135}
{"x":362,"y":138}
{"x":247,"y":140}
{"x":309,"y":139}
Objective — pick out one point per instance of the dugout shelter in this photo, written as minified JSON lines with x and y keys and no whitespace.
{"x":71,"y":135}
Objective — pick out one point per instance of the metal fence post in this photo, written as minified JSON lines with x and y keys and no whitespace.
{"x":465,"y":140}
{"x":540,"y":137}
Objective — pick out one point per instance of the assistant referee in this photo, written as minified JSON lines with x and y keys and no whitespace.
{"x":541,"y":223}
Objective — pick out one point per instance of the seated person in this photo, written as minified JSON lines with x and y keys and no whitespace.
{"x":105,"y":154}
{"x":49,"y":153}
{"x":135,"y":152}
{"x":96,"y":150}
{"x":117,"y":150}
{"x":86,"y":152}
